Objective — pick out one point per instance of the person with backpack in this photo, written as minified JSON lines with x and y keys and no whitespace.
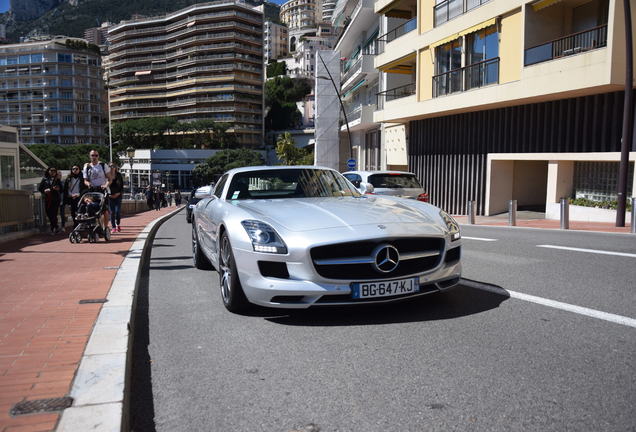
{"x":97,"y":178}
{"x":116,"y":189}
{"x":72,"y":189}
{"x":50,"y":187}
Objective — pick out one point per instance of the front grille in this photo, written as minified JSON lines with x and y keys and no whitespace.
{"x":366,"y":271}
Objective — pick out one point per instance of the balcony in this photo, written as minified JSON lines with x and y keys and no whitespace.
{"x":449,"y":9}
{"x":361,"y":67}
{"x":396,"y":33}
{"x":394,"y":93}
{"x":566,"y":46}
{"x":359,"y":118}
{"x":469,"y":77}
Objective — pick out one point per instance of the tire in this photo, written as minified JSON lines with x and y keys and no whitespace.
{"x":75,"y":237}
{"x":232,"y":293}
{"x":198,"y":257}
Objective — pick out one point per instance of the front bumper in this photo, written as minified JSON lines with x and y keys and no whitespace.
{"x":304,"y":288}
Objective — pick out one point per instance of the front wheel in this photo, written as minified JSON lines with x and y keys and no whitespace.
{"x":232,"y":293}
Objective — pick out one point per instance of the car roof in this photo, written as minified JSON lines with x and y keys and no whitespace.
{"x":368,"y":173}
{"x":272,"y":167}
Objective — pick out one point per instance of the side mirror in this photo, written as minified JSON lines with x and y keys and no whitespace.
{"x":366,"y":188}
{"x":203,"y":192}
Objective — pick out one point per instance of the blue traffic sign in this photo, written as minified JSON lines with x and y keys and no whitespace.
{"x":351,"y":163}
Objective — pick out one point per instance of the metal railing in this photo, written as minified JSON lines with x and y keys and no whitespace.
{"x":569,"y":45}
{"x":394,"y":34}
{"x":394,"y":93}
{"x":469,"y":77}
{"x":449,"y":9}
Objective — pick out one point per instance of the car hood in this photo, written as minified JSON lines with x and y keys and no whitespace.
{"x":308,"y":214}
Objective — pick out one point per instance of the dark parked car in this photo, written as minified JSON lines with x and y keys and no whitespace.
{"x":195,"y":196}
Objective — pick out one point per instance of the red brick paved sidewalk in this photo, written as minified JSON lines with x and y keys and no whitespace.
{"x":43,"y":328}
{"x":546,"y":224}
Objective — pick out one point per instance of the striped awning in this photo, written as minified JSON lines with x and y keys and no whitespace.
{"x":404,"y":65}
{"x":469,"y":30}
{"x":542,"y":4}
{"x":354,"y":88}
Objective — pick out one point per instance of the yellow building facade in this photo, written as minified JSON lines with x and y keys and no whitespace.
{"x":506,"y":99}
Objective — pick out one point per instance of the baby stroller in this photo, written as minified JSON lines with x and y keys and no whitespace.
{"x":90,"y":223}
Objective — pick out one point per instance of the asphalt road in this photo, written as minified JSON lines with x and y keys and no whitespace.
{"x":469,"y":359}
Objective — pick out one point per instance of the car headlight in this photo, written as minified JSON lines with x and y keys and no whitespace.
{"x":264,"y":237}
{"x":452,"y":225}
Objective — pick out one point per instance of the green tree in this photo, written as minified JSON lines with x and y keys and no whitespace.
{"x":276,"y":68}
{"x":281,"y":95}
{"x":65,"y":156}
{"x":289,"y":154}
{"x":222,"y":161}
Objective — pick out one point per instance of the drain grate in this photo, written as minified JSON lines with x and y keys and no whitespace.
{"x":41,"y":405}
{"x":85,"y":301}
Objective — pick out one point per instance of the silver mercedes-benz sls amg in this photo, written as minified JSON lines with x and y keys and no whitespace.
{"x":301,"y":236}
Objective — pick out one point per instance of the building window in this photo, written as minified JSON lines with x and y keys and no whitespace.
{"x":7,"y":172}
{"x":477,"y":68}
{"x":64,"y":58}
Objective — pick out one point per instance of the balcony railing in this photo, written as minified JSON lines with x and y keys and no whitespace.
{"x":395,"y":93}
{"x":568,"y":45}
{"x":397,"y":32}
{"x":449,"y":9}
{"x":469,"y":77}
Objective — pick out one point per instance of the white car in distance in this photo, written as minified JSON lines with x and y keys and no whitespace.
{"x":395,"y":183}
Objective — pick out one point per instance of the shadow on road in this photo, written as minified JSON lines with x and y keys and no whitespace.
{"x":458,"y":302}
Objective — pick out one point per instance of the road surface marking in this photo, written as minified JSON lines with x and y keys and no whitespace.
{"x":596,"y":251}
{"x":479,"y":238}
{"x":617,"y":319}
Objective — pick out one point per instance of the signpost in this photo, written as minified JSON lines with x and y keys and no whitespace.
{"x":351,"y":164}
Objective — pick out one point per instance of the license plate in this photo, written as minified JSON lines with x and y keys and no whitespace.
{"x":385,"y":288}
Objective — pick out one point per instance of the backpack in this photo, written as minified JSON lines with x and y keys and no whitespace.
{"x":89,"y":168}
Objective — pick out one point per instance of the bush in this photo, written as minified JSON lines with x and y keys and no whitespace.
{"x":611,"y":205}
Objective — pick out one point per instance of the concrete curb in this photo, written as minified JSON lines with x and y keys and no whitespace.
{"x":101,"y":386}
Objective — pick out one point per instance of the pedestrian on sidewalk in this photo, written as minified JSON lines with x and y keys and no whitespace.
{"x":169,"y":198}
{"x":150,"y":198}
{"x":50,"y":188}
{"x":72,"y":189}
{"x":177,"y":198}
{"x":97,"y":177}
{"x":156,"y":199}
{"x":116,"y":189}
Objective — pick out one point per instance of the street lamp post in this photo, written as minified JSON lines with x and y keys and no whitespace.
{"x":110,"y":124}
{"x":344,"y":113}
{"x":130,"y":152}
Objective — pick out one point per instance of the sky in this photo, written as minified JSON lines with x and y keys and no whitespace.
{"x":4,"y":5}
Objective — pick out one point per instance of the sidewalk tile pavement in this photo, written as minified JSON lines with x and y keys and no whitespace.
{"x":43,"y":328}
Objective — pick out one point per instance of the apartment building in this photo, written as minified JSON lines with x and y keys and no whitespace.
{"x":360,"y":82}
{"x":201,"y":62}
{"x":275,"y":41}
{"x":52,"y":92}
{"x":505,"y":99}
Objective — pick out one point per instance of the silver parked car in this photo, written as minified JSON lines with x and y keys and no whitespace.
{"x":395,"y":183}
{"x":301,"y":236}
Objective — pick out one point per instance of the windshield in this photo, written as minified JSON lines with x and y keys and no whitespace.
{"x":289,"y":183}
{"x":394,"y":181}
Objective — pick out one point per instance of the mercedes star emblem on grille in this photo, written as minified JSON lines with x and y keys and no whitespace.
{"x":386,"y":258}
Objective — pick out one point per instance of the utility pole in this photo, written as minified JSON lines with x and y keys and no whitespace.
{"x":628,"y":118}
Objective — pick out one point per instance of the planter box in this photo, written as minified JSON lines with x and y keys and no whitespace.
{"x":584,"y":214}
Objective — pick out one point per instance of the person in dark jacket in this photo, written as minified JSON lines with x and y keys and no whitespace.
{"x":150,"y":198}
{"x":51,"y":189}
{"x":116,"y":190}
{"x":72,"y":189}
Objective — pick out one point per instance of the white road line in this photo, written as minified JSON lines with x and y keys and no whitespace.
{"x":617,"y":319}
{"x":596,"y":251}
{"x":479,"y":239}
